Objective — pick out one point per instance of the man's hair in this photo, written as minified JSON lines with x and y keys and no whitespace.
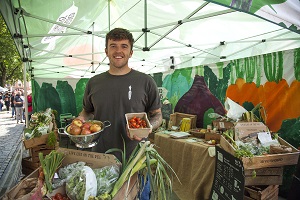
{"x":119,"y":34}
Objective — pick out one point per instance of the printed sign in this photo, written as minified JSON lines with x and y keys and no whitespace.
{"x":229,"y":180}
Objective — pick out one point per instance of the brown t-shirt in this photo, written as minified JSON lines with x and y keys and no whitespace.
{"x":111,"y":97}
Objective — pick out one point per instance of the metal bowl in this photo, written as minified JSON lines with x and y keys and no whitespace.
{"x":87,"y":141}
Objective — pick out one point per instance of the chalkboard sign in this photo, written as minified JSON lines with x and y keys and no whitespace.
{"x":229,"y":180}
{"x":166,"y":110}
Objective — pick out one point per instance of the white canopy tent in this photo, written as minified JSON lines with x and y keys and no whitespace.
{"x":66,"y":39}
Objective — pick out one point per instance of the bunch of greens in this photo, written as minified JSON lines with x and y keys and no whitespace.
{"x":50,"y":164}
{"x":146,"y":161}
{"x":39,"y":124}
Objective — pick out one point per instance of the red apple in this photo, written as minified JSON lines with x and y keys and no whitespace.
{"x":75,"y":130}
{"x":77,"y":122}
{"x":86,"y":131}
{"x":95,"y":128}
{"x":86,"y":125}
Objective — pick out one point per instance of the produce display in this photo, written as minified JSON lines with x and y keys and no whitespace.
{"x":78,"y":127}
{"x":252,"y":146}
{"x":40,"y":124}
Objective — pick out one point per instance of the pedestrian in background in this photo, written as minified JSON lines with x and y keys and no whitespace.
{"x":12,"y":105}
{"x":29,"y":105}
{"x":19,"y":107}
{"x":7,"y":101}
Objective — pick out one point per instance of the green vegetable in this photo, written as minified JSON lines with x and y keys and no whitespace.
{"x":51,"y":141}
{"x":75,"y":186}
{"x":50,"y":164}
{"x":106,"y":178}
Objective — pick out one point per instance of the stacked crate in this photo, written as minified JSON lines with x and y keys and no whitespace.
{"x":34,"y":147}
{"x":265,"y":171}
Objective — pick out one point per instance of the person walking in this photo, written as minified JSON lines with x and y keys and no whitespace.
{"x":29,"y":105}
{"x":120,"y":90}
{"x":12,"y":105}
{"x":7,"y":101}
{"x":18,"y":101}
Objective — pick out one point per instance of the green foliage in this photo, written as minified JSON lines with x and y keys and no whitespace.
{"x":10,"y":61}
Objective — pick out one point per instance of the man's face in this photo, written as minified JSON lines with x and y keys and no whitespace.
{"x":118,"y":52}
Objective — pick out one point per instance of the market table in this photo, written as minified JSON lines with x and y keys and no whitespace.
{"x":192,"y":164}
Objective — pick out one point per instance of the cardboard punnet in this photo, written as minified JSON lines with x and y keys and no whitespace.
{"x":270,"y":160}
{"x":93,"y":160}
{"x":222,"y":125}
{"x":243,"y":129}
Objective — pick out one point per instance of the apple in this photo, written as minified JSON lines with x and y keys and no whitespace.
{"x":75,"y":130}
{"x":86,"y":131}
{"x":69,"y":129}
{"x":95,"y":128}
{"x":86,"y":125}
{"x":77,"y":122}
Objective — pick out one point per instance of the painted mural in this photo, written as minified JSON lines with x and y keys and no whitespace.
{"x":271,"y":79}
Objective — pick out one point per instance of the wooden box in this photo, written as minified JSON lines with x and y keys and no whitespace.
{"x":213,"y":136}
{"x":128,"y":191}
{"x":267,"y":192}
{"x":175,"y":120}
{"x":28,"y":166}
{"x":38,"y":140}
{"x":243,"y":129}
{"x":264,"y":176}
{"x":222,"y":125}
{"x":270,"y":160}
{"x":198,"y":132}
{"x":44,"y":148}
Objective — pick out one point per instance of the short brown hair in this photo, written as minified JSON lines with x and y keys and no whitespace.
{"x":119,"y":34}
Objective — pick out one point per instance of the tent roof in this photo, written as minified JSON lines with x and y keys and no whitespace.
{"x":66,"y":39}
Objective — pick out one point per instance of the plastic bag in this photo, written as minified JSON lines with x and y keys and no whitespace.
{"x":106,"y":178}
{"x":234,"y":110}
{"x":82,"y":184}
{"x":65,"y":173}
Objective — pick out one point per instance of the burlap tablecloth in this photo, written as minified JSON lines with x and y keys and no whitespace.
{"x":192,"y":164}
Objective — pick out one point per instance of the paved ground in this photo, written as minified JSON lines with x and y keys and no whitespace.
{"x":10,"y":151}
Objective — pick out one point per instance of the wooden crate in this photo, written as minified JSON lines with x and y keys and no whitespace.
{"x":270,"y":160}
{"x":176,"y":118}
{"x":28,"y":166}
{"x":38,"y":140}
{"x":197,"y":132}
{"x":268,"y":192}
{"x":264,"y":176}
{"x":213,"y":136}
{"x":44,"y":148}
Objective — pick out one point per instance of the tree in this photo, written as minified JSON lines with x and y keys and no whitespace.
{"x":10,"y":61}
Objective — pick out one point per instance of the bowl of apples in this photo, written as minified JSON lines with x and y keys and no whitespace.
{"x":85,"y":134}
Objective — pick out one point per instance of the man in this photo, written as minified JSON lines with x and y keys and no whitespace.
{"x":18,"y":101}
{"x":120,"y":90}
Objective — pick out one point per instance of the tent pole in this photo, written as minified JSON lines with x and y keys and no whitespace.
{"x":108,"y":11}
{"x":93,"y":29}
{"x":25,"y":95}
{"x":145,"y":24}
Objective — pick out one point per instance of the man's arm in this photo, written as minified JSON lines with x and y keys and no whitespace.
{"x":155,"y":118}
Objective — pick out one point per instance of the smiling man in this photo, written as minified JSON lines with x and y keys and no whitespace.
{"x":120,"y":90}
